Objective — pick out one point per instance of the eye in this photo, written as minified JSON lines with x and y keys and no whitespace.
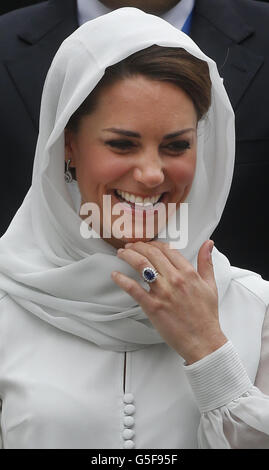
{"x":178,"y":146}
{"x":175,"y":147}
{"x":120,"y":144}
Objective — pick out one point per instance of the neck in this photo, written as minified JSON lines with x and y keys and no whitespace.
{"x":154,"y":7}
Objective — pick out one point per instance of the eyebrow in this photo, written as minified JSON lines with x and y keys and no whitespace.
{"x":136,"y":134}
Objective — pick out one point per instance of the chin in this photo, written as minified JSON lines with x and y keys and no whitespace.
{"x":134,"y":240}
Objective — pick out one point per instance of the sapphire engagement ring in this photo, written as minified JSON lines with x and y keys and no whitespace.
{"x":149,"y":274}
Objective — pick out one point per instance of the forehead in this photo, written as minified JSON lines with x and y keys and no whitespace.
{"x":142,"y":98}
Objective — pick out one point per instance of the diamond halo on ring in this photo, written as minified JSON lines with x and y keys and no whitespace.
{"x":149,"y":274}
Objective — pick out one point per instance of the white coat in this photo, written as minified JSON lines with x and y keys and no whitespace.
{"x":60,"y":391}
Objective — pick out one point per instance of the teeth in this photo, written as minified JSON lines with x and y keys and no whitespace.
{"x":137,"y":199}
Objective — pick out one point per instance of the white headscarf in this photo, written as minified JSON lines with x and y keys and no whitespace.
{"x":45,"y":265}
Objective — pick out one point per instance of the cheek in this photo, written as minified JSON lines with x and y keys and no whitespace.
{"x":183,"y":171}
{"x":99,"y":165}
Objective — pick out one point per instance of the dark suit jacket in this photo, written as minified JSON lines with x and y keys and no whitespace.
{"x":233,"y":32}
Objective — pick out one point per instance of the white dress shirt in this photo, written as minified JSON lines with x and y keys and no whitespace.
{"x":176,"y":16}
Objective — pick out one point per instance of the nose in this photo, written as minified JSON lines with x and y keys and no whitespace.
{"x":149,"y":171}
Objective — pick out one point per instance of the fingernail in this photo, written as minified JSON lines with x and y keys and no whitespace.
{"x":210,"y":248}
{"x":128,"y":245}
{"x":120,"y":250}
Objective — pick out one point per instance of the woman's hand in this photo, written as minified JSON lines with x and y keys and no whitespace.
{"x":182,"y":303}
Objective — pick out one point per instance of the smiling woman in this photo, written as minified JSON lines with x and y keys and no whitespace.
{"x":135,"y":136}
{"x":91,"y":356}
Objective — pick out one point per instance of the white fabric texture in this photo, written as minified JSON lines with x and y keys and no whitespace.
{"x":60,"y":391}
{"x":55,"y":273}
{"x":66,"y":327}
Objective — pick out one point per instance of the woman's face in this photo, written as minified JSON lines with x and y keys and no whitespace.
{"x":124,"y":145}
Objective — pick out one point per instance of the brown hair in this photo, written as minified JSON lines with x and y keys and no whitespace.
{"x":170,"y":64}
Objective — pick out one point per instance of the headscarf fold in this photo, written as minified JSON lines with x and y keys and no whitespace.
{"x":46,"y":266}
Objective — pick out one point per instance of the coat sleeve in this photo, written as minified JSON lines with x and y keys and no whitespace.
{"x":234,"y":412}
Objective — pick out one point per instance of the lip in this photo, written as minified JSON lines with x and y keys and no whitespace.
{"x":138,"y":194}
{"x":150,"y":211}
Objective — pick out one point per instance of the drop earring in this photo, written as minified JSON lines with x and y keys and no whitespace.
{"x":68,"y":175}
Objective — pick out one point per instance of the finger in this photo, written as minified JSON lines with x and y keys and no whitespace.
{"x":144,"y":254}
{"x":142,"y":297}
{"x":139,"y":262}
{"x":174,"y":256}
{"x":204,"y":263}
